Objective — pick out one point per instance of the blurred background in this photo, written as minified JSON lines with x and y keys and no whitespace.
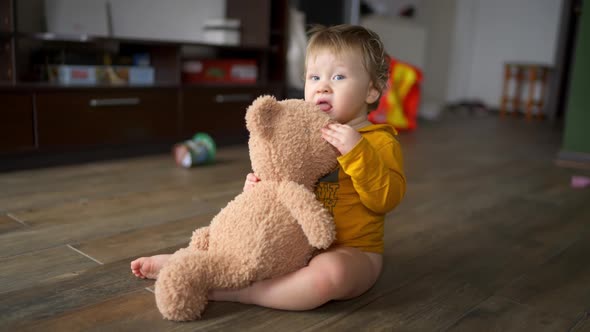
{"x":505,"y":57}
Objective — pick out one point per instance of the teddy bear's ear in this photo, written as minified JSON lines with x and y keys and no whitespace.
{"x":259,"y":116}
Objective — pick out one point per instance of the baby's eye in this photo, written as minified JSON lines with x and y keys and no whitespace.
{"x":314,"y":77}
{"x":338,"y":77}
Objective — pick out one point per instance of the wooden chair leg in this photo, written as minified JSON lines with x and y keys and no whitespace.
{"x":532,"y":82}
{"x":517,"y":90}
{"x":505,"y":85}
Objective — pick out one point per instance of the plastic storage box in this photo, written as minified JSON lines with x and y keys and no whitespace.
{"x":222,"y":71}
{"x":94,"y":75}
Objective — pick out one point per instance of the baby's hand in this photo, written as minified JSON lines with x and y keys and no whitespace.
{"x":251,"y":181}
{"x":342,"y":137}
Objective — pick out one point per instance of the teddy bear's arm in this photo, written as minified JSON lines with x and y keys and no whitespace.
{"x":200,"y":239}
{"x":315,"y":221}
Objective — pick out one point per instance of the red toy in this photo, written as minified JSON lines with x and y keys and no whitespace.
{"x":399,"y":104}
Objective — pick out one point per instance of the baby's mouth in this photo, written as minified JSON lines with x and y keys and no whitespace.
{"x":324,"y":106}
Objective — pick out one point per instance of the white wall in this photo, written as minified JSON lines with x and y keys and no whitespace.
{"x":404,"y":39}
{"x":424,"y":41}
{"x":489,"y":33}
{"x":437,"y":17}
{"x":461,"y":50}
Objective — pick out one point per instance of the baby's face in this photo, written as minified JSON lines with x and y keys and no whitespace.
{"x":339,"y":84}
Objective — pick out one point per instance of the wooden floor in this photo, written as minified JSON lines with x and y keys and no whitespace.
{"x":490,"y":237}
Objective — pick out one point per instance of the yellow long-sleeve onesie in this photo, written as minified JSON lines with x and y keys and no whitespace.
{"x":369,"y":183}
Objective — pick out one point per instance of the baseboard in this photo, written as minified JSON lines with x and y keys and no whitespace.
{"x":33,"y":160}
{"x":577,"y":160}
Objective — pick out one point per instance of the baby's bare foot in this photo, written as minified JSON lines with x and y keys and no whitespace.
{"x":148,"y":267}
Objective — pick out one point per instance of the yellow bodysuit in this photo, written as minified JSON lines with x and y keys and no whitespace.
{"x":369,"y":183}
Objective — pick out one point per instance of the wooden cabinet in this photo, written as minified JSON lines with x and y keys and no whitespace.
{"x":16,"y":122}
{"x":106,"y":117}
{"x":218,"y":112}
{"x":6,"y":12}
{"x":6,"y":60}
{"x":40,"y":116}
{"x":6,"y":41}
{"x":254,"y":16}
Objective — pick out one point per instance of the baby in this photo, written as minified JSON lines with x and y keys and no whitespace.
{"x":346,"y":72}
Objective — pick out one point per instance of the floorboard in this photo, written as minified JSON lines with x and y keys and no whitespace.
{"x":131,"y":311}
{"x":490,"y":237}
{"x":8,"y":224}
{"x":74,"y":222}
{"x":42,"y":300}
{"x":560,"y":285}
{"x":124,"y":245}
{"x":20,"y":272}
{"x":503,"y":315}
{"x":583,"y":325}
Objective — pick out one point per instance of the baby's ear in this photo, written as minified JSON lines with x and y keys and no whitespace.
{"x":373,"y":95}
{"x":260,"y":115}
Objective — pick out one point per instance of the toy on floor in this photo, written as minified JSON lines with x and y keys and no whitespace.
{"x":196,"y":151}
{"x":580,"y":181}
{"x":269,"y":230}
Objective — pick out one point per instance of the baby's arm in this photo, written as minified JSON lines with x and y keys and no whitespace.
{"x":315,"y":221}
{"x":377,"y":174}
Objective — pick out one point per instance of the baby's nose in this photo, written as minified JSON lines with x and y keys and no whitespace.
{"x":323,"y":87}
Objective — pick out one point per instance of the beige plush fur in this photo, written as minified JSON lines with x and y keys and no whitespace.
{"x":264,"y":232}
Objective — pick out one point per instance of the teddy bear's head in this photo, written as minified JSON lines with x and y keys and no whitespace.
{"x":286,"y":143}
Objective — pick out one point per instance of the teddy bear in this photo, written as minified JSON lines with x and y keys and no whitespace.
{"x":272,"y":229}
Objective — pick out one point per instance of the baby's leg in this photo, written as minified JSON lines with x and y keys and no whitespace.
{"x":337,"y":274}
{"x":148,"y":267}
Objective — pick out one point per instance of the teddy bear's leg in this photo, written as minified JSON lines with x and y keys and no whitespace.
{"x":182,"y":285}
{"x":231,"y":271}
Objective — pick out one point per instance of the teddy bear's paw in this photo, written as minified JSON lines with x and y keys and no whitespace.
{"x":181,"y":288}
{"x":321,"y":241}
{"x":181,"y":313}
{"x":323,"y":234}
{"x":178,"y":301}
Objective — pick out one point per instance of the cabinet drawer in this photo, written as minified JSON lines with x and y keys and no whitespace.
{"x":106,"y":117}
{"x":6,"y":59}
{"x":219,"y":112}
{"x":6,"y":10}
{"x":16,"y":122}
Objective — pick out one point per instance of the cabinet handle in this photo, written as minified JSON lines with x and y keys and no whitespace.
{"x":114,"y":102}
{"x":233,"y":98}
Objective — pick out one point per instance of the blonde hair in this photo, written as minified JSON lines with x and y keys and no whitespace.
{"x":346,"y":37}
